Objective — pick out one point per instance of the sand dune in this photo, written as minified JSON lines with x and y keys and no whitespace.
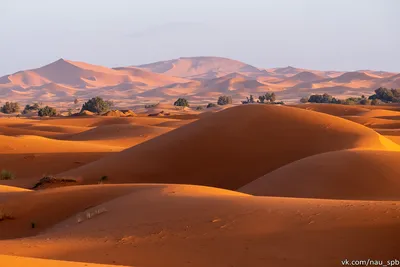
{"x":347,"y":174}
{"x":252,"y":139}
{"x":24,"y":261}
{"x":194,"y":66}
{"x":336,"y":110}
{"x":306,"y":76}
{"x":175,"y":225}
{"x":121,"y":135}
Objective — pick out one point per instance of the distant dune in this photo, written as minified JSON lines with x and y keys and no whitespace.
{"x":200,"y":79}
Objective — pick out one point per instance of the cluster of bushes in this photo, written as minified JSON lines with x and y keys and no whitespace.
{"x":224,"y":100}
{"x":10,"y":107}
{"x":386,"y":95}
{"x":267,"y":98}
{"x":326,"y":98}
{"x":47,"y":112}
{"x":31,"y":108}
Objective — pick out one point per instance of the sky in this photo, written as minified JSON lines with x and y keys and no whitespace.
{"x":314,"y":34}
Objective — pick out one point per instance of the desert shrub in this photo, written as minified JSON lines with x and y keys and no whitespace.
{"x":271,"y":97}
{"x":47,"y":111}
{"x":181,"y":102}
{"x":224,"y":100}
{"x":10,"y":107}
{"x":30,"y":108}
{"x":199,"y":108}
{"x":386,"y":95}
{"x":6,"y":175}
{"x":52,"y":180}
{"x":211,"y":105}
{"x":97,"y":105}
{"x":365,"y":101}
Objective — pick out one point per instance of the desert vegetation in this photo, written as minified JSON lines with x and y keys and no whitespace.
{"x":47,"y":112}
{"x":10,"y":107}
{"x":224,"y":100}
{"x":97,"y":105}
{"x":181,"y":102}
{"x":6,"y":175}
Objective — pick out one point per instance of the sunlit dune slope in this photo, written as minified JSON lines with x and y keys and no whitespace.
{"x":176,"y":225}
{"x":232,"y":147}
{"x":336,"y":110}
{"x":347,"y":174}
{"x":121,"y":135}
{"x":24,"y":262}
{"x":37,"y":144}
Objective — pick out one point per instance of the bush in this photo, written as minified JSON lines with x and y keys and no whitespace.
{"x":211,"y":105}
{"x":181,"y":102}
{"x":375,"y":102}
{"x":6,"y":175}
{"x":97,"y":105}
{"x":47,"y":111}
{"x":199,"y":108}
{"x":10,"y":107}
{"x":29,"y":108}
{"x":224,"y":100}
{"x":386,"y":95}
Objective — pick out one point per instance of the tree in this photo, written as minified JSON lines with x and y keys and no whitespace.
{"x":386,"y":95}
{"x":261,"y":98}
{"x":97,"y":105}
{"x":271,"y":97}
{"x":181,"y":102}
{"x":29,"y":108}
{"x":47,"y":111}
{"x":211,"y":105}
{"x":224,"y":100}
{"x":10,"y":107}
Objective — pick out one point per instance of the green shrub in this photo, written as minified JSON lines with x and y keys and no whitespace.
{"x":224,"y":100}
{"x":181,"y":102}
{"x":47,"y":111}
{"x":6,"y":175}
{"x":10,"y":107}
{"x":29,"y":108}
{"x":97,"y":105}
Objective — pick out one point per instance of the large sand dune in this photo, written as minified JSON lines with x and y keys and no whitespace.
{"x":346,"y":174}
{"x":252,"y":139}
{"x":175,"y":225}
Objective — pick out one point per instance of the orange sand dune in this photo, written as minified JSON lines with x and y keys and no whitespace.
{"x":176,"y":225}
{"x":347,"y":174}
{"x":252,"y":140}
{"x":375,"y":123}
{"x":36,"y":144}
{"x":194,"y":66}
{"x":121,"y":135}
{"x":24,"y":262}
{"x":336,"y":110}
{"x":382,"y":113}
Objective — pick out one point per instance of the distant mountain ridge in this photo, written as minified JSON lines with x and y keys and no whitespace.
{"x":197,"y":78}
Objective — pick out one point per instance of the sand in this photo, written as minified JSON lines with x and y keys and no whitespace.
{"x":175,"y":225}
{"x":249,"y":185}
{"x":252,"y":139}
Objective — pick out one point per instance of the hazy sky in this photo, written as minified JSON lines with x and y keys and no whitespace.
{"x":316,"y":34}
